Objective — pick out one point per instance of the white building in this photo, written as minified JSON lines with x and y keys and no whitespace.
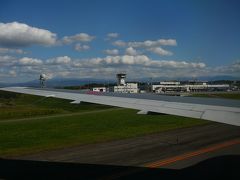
{"x":167,"y":86}
{"x":170,"y":83}
{"x":178,"y":87}
{"x":99,"y":89}
{"x":127,"y":88}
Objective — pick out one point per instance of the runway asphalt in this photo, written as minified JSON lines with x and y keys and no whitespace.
{"x":196,"y":143}
{"x":209,"y":151}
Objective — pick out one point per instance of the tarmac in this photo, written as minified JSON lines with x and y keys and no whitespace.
{"x":206,"y":151}
{"x":144,"y":150}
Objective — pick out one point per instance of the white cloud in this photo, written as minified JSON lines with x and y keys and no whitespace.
{"x":160,"y":51}
{"x":144,"y":61}
{"x":174,"y":64}
{"x":114,"y":60}
{"x":119,"y":43}
{"x":111,"y":51}
{"x":131,"y":51}
{"x":146,"y":44}
{"x":59,"y":60}
{"x":233,"y":68}
{"x":81,"y":37}
{"x":21,"y":35}
{"x":12,"y":73}
{"x":236,"y":65}
{"x":149,"y":43}
{"x":136,"y":66}
{"x":12,"y":51}
{"x":126,"y":59}
{"x":112,"y":35}
{"x":166,"y":42}
{"x":30,"y":61}
{"x":7,"y":59}
{"x":79,"y":47}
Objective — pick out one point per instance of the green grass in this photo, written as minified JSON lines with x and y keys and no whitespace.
{"x":220,"y":95}
{"x":27,"y":136}
{"x":27,"y":124}
{"x":13,"y":105}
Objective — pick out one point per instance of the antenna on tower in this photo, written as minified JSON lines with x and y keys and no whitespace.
{"x":42,"y":80}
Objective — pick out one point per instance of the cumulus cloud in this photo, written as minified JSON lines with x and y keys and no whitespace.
{"x":233,"y":68}
{"x":147,"y":43}
{"x":175,"y":64}
{"x":7,"y":59}
{"x":144,"y":61}
{"x":21,"y":35}
{"x":12,"y":73}
{"x":138,"y":60}
{"x":123,"y":60}
{"x":59,"y":60}
{"x":236,"y":65}
{"x":137,"y":66}
{"x":160,"y":51}
{"x":81,"y":37}
{"x":111,"y":51}
{"x":131,"y":51}
{"x":112,"y":35}
{"x":7,"y":74}
{"x":80,"y":47}
{"x":167,"y":42}
{"x":134,"y":62}
{"x":119,"y":43}
{"x":11,"y":51}
{"x":30,"y":61}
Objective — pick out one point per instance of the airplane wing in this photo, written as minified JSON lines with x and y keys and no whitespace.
{"x":218,"y":110}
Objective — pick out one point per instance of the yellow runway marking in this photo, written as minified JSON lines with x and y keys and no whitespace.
{"x":208,"y":149}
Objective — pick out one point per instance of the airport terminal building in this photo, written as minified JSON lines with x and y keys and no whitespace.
{"x":176,"y":86}
{"x":161,"y":87}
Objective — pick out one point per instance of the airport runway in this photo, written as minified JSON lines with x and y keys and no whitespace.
{"x":174,"y":149}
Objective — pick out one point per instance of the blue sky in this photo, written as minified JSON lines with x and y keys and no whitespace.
{"x":199,"y":38}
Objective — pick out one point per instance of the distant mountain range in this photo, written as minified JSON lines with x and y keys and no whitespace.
{"x":56,"y":82}
{"x":59,"y":82}
{"x":202,"y":78}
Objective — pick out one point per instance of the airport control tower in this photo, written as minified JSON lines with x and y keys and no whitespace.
{"x":121,"y":79}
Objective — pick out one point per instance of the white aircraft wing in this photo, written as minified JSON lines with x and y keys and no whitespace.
{"x":226,"y":111}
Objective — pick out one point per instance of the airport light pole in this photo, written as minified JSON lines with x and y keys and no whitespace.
{"x":151,"y":84}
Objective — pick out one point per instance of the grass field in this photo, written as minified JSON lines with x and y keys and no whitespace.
{"x":13,"y":105}
{"x":62,"y":124}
